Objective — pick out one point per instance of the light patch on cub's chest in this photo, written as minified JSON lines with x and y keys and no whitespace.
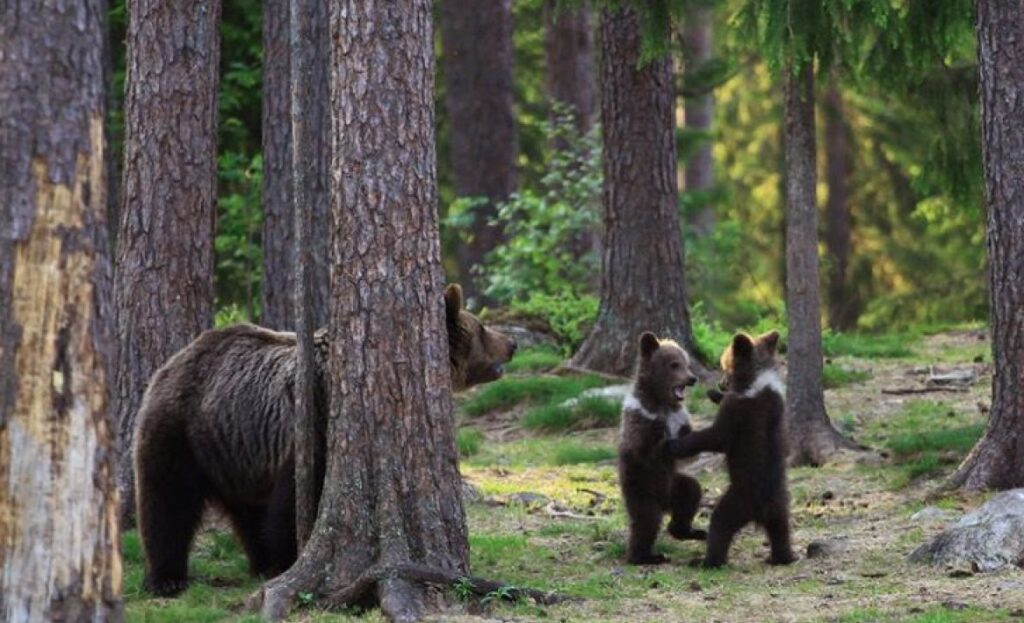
{"x":770,"y":380}
{"x":674,"y":420}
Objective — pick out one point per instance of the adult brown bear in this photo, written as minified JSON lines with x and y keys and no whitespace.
{"x":215,"y":426}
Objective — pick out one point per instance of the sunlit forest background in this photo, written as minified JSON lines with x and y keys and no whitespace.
{"x":914,"y":191}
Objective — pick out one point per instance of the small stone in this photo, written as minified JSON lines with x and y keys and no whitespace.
{"x":827,"y":495}
{"x":695,"y":586}
{"x":824,"y":548}
{"x":954,"y":605}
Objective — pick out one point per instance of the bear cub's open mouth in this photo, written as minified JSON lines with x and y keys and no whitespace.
{"x":679,"y":392}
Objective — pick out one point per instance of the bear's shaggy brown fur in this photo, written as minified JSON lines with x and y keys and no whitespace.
{"x":215,"y":426}
{"x":650,"y":484}
{"x":750,"y":430}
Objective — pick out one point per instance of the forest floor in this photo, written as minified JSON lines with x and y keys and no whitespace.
{"x":544,"y":509}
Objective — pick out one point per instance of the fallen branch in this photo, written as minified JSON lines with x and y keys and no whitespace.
{"x":358,"y":590}
{"x":900,"y":391}
{"x":552,"y":510}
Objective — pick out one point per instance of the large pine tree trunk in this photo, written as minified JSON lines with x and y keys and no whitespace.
{"x":569,"y":50}
{"x":480,"y":100}
{"x":643,"y":287}
{"x":278,"y":235}
{"x":997,"y":462}
{"x":391,"y":494}
{"x":59,"y":547}
{"x":163,"y":293}
{"x":700,"y":112}
{"x":842,"y":304}
{"x":812,"y":437}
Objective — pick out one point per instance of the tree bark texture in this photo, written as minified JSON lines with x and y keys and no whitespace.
{"x":699,"y":114}
{"x":569,"y":49}
{"x":842,"y":304}
{"x":643,"y":286}
{"x":997,"y":461}
{"x":278,"y":233}
{"x":480,"y":99}
{"x":812,"y":437}
{"x":302,"y":39}
{"x":391,"y":495}
{"x":59,"y":543}
{"x":163,"y":295}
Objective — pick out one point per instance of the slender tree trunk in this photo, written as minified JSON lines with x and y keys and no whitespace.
{"x":997,"y":462}
{"x":480,"y":99}
{"x":391,"y":494}
{"x":643,"y":287}
{"x":700,"y":112}
{"x":163,"y":293}
{"x":842,"y":304}
{"x":59,"y":543}
{"x":278,"y":235}
{"x":301,"y":41}
{"x":812,"y":437}
{"x":569,"y":48}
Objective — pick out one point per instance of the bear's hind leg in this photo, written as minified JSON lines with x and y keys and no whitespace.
{"x":644,"y":524}
{"x":777,"y":527}
{"x":280,"y":523}
{"x":684,"y":501}
{"x":249,"y":522}
{"x":730,"y":515}
{"x":171,"y":495}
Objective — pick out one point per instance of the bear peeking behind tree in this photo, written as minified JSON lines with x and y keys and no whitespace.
{"x":650,"y":485}
{"x":750,"y":430}
{"x":216,"y":427}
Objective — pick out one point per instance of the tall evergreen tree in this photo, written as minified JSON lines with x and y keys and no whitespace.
{"x":476,"y":41}
{"x":997,"y":461}
{"x":59,"y":542}
{"x":643,"y":287}
{"x":163,"y":294}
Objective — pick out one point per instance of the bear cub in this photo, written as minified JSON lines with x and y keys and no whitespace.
{"x":651,"y":487}
{"x":750,"y":430}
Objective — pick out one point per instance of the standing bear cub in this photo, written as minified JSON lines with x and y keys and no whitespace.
{"x":750,"y":430}
{"x":215,"y":426}
{"x":651,"y":487}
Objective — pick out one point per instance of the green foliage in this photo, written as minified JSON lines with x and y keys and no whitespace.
{"x":469,"y":441}
{"x":568,"y":453}
{"x":867,"y":346}
{"x":510,"y":391}
{"x":568,"y":316}
{"x":590,"y":412}
{"x":712,"y":339}
{"x":239,"y":255}
{"x":536,"y":359}
{"x":547,"y":248}
{"x":835,"y":376}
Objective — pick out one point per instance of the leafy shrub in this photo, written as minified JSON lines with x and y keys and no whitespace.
{"x":539,"y":358}
{"x":469,"y":441}
{"x":567,"y":315}
{"x":510,"y":391}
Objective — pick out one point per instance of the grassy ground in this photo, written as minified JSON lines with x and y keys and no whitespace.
{"x":518,"y":437}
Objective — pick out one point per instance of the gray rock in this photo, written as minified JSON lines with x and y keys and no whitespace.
{"x":825,"y":548}
{"x":932,"y":513}
{"x":525,"y":336}
{"x":609,"y":392}
{"x":988,"y":538}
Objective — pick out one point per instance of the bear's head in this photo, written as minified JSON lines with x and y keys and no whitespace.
{"x":477,"y":354}
{"x":748,"y":361}
{"x":662,"y":374}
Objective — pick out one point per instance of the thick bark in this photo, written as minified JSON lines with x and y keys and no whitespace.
{"x":301,"y":39}
{"x":278,"y":234}
{"x":700,"y":112}
{"x":843,"y":308}
{"x":391,"y":495}
{"x":59,"y":543}
{"x":163,"y":293}
{"x":997,"y":462}
{"x":480,"y":100}
{"x":643,"y":287}
{"x":812,"y":437}
{"x":569,"y":49}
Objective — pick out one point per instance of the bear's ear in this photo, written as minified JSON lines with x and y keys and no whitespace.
{"x":648,"y":344}
{"x":453,"y":300}
{"x":742,"y":346}
{"x":770,"y":339}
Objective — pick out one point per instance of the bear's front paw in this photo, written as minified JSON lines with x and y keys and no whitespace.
{"x":675,"y":447}
{"x":648,"y":559}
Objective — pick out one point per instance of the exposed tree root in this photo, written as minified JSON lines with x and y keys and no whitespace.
{"x":392,"y":584}
{"x":814,"y":447}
